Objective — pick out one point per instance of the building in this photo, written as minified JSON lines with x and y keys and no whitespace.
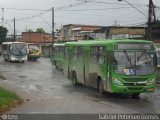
{"x":36,"y":37}
{"x":90,"y":32}
{"x":44,"y":39}
{"x":76,"y":32}
{"x":113,"y":32}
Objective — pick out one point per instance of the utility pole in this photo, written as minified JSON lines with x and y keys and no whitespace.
{"x":14,"y":29}
{"x":52,"y":25}
{"x":2,"y":16}
{"x":151,"y":19}
{"x":115,"y":23}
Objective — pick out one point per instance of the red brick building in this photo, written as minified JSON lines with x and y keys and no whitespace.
{"x":36,"y":37}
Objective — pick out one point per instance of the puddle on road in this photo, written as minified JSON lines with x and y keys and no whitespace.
{"x":56,"y":86}
{"x":58,"y":97}
{"x":2,"y":77}
{"x":32,"y":87}
{"x":22,"y":76}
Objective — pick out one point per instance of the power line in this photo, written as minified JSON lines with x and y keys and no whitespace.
{"x":24,"y":9}
{"x":94,"y":9}
{"x":45,"y":11}
{"x":137,"y":24}
{"x":31,"y":17}
{"x":134,"y":7}
{"x":107,"y":3}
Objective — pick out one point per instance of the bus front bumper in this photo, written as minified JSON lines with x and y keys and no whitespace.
{"x":18,"y":58}
{"x":133,"y":89}
{"x":33,"y":56}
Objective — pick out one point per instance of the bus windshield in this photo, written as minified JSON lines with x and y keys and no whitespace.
{"x":18,"y":49}
{"x":134,"y":63}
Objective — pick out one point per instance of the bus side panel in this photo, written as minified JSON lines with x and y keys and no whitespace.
{"x":93,"y":73}
{"x":77,"y":64}
{"x":8,"y":53}
{"x":108,"y":84}
{"x":97,"y":66}
{"x":86,"y":65}
{"x":67,"y":62}
{"x":78,"y":67}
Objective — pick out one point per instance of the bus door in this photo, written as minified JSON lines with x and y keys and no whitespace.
{"x":9,"y":52}
{"x":5,"y":51}
{"x":86,"y":66}
{"x":80,"y":65}
{"x":67,"y":62}
{"x":109,"y":72}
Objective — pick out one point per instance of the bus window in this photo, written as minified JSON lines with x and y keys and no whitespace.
{"x":79,"y":53}
{"x":75,"y":49}
{"x":61,"y":50}
{"x":94,"y":51}
{"x":98,"y":54}
{"x":4,"y":49}
{"x":101,"y":59}
{"x":66,"y":53}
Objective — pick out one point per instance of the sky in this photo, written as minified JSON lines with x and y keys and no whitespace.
{"x":89,"y":12}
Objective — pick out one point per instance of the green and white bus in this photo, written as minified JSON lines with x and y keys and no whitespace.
{"x":116,"y":66}
{"x":58,"y":55}
{"x":158,"y":64}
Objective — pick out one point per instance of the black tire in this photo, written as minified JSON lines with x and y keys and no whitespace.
{"x":74,"y":79}
{"x":4,"y":58}
{"x":100,"y":87}
{"x":135,"y":95}
{"x":68,"y":74}
{"x":55,"y":64}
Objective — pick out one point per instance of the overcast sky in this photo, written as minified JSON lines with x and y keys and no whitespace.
{"x":93,"y":12}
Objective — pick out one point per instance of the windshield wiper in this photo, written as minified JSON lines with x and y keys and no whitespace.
{"x":144,"y":52}
{"x":128,"y":58}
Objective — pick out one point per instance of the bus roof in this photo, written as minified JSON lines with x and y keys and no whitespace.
{"x":100,"y":42}
{"x":58,"y":44}
{"x":7,"y":43}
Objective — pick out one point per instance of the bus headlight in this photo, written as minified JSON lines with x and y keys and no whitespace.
{"x":13,"y":58}
{"x":117,"y":82}
{"x":151,"y":82}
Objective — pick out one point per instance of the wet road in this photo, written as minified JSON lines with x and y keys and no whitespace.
{"x":46,"y":90}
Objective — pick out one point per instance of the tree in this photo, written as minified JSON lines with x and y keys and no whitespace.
{"x":3,"y":34}
{"x":157,"y":23}
{"x":40,"y":30}
{"x":29,"y":30}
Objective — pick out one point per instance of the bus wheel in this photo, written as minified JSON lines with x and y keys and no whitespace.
{"x":68,"y":74}
{"x":74,"y":79}
{"x":55,"y":64}
{"x":135,"y":95}
{"x":100,"y":87}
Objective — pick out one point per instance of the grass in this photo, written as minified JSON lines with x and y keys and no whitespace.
{"x":8,"y":100}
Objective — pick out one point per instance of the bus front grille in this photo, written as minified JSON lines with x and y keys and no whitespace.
{"x":132,"y":88}
{"x":134,"y":79}
{"x":134,"y":84}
